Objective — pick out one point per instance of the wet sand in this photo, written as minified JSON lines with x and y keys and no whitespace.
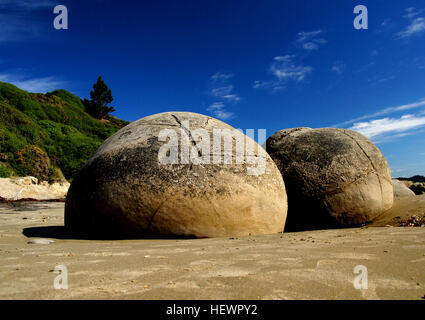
{"x":303,"y":265}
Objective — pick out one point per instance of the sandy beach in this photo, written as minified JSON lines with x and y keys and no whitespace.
{"x":302,"y":265}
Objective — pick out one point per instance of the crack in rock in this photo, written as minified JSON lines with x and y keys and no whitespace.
{"x":371,"y":162}
{"x":189,"y":134}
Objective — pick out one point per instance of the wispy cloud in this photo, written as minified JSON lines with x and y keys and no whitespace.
{"x":218,"y":109}
{"x":284,"y":69}
{"x":385,"y":111}
{"x":416,"y":24}
{"x":221,"y":77}
{"x":338,"y":67}
{"x":412,"y":12}
{"x":289,"y":68}
{"x":377,"y":79}
{"x":416,"y":27}
{"x":27,"y":4}
{"x":394,"y":127}
{"x":271,"y":85}
{"x":43,"y":84}
{"x":225,"y":92}
{"x":311,"y":40}
{"x":384,"y":129}
{"x":222,"y":89}
{"x":20,"y":19}
{"x":386,"y":23}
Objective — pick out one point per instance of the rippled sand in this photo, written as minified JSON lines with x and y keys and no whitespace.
{"x":303,"y":265}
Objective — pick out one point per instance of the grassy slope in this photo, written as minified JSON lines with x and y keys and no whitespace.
{"x":55,"y":122}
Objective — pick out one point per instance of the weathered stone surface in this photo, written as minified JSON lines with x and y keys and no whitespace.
{"x":333,"y":177}
{"x":401,"y":190}
{"x":124,"y":190}
{"x":407,"y":183}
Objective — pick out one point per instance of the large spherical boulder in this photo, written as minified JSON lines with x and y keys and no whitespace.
{"x":134,"y":187}
{"x":333,"y":177}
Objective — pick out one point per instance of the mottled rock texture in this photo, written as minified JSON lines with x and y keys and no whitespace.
{"x":333,"y":177}
{"x":124,"y":190}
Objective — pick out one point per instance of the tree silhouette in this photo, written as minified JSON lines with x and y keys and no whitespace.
{"x":101,"y":97}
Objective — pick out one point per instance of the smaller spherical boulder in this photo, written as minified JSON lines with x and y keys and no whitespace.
{"x":333,"y":177}
{"x":401,"y":190}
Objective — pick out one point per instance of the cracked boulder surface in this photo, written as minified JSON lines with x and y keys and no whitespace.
{"x":333,"y":177}
{"x":125,"y":191}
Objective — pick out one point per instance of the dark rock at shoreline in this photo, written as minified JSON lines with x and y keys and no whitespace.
{"x":418,"y":188}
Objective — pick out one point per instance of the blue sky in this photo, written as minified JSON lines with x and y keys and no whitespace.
{"x":254,"y":64}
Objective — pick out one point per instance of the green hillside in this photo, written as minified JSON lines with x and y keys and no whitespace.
{"x":45,"y":135}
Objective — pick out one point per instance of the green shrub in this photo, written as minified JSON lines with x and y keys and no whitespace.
{"x":56,"y":123}
{"x":32,"y":161}
{"x":5,"y":172}
{"x":56,"y":175}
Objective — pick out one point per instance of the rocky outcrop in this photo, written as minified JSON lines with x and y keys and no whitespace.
{"x":29,"y":188}
{"x":333,"y":177}
{"x":130,"y":188}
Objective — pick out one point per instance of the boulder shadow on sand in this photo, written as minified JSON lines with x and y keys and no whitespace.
{"x":63,"y":233}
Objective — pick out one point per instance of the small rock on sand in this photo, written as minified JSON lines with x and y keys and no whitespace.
{"x":41,"y":241}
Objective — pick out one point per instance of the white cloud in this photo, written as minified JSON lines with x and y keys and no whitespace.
{"x":218,"y":109}
{"x":377,"y":79}
{"x":27,"y":4}
{"x":226,"y":93}
{"x":386,"y":22}
{"x":232,"y":97}
{"x":18,"y":21}
{"x":221,"y":77}
{"x":310,"y":40}
{"x":385,"y":111}
{"x":310,"y":46}
{"x":416,"y":27}
{"x":389,"y":127}
{"x":412,"y":12}
{"x":285,"y":69}
{"x":222,"y":89}
{"x":43,"y":84}
{"x":269,"y":85}
{"x":304,"y":36}
{"x":338,"y":67}
{"x":416,"y":24}
{"x":13,"y":27}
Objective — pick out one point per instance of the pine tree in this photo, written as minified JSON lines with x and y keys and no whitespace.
{"x":101,"y":97}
